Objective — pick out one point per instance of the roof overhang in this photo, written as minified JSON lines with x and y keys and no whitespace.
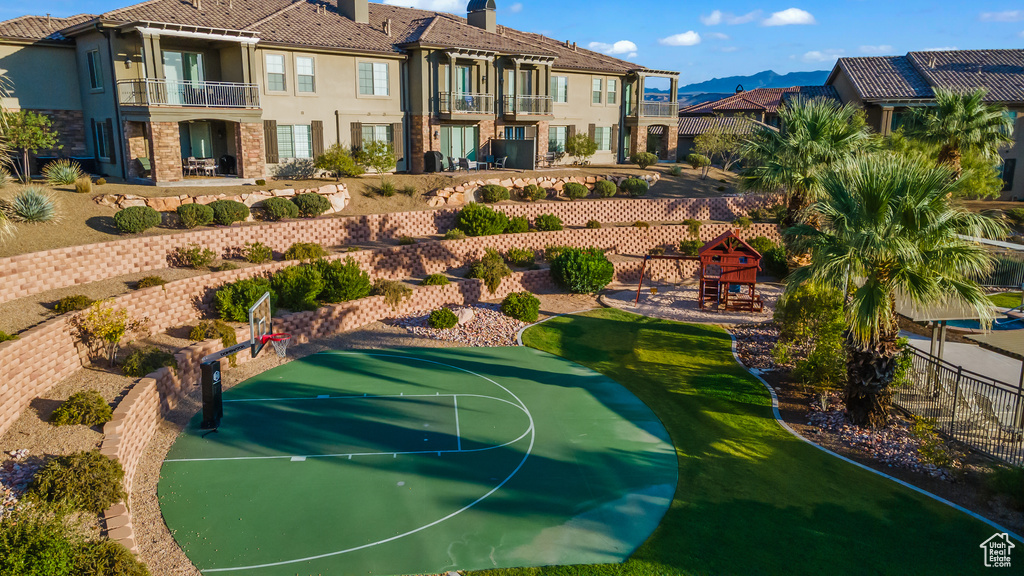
{"x":471,"y":54}
{"x":147,"y":28}
{"x":644,"y":72}
{"x":534,"y":60}
{"x":902,"y":102}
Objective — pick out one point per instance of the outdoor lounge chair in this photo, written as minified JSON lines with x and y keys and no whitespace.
{"x":499,"y":162}
{"x":989,"y":419}
{"x":467,"y":164}
{"x":453,"y":163}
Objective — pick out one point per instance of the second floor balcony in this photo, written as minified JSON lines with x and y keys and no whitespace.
{"x":465,"y":104}
{"x":522,"y":107}
{"x":190,"y":94}
{"x":652,"y":109}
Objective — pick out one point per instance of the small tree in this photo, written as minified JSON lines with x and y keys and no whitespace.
{"x":102,"y":328}
{"x":380,"y":156}
{"x":720,"y":142}
{"x":339,"y":161}
{"x":27,"y":132}
{"x":701,"y":162}
{"x":581,"y":147}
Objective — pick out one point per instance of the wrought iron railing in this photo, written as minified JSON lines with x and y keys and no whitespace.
{"x":528,"y":105}
{"x":984,"y":413}
{"x":657,"y":109}
{"x":466,"y":103}
{"x":188,"y":94}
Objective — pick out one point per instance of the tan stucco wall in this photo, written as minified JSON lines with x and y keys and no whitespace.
{"x":98,"y":105}
{"x":40,"y":77}
{"x":579,"y":111}
{"x":1016,"y":151}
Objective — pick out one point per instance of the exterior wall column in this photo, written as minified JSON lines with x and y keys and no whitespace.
{"x":515,"y":86}
{"x":249,"y":148}
{"x":542,"y":136}
{"x":152,"y":55}
{"x":165,"y":142}
{"x":248,"y":63}
{"x":886,"y":124}
{"x":138,"y":146}
{"x":637,"y":139}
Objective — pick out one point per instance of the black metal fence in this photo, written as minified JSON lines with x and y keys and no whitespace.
{"x":984,"y":413}
{"x":1007,"y":273}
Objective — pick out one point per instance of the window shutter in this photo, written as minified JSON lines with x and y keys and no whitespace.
{"x":592,"y":130}
{"x":270,"y":139}
{"x":111,"y":150}
{"x":615,"y":140}
{"x":571,"y":131}
{"x":95,"y":142}
{"x":397,"y":141}
{"x":357,"y":135}
{"x":316,"y":128}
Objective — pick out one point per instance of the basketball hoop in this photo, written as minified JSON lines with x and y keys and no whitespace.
{"x":280,"y":342}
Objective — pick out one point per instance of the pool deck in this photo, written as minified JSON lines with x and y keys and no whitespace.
{"x":974,"y":358}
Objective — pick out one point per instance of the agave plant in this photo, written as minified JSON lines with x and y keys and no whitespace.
{"x":32,"y":204}
{"x":62,"y":172}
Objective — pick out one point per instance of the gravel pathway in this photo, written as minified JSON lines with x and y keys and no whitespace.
{"x":680,"y":303}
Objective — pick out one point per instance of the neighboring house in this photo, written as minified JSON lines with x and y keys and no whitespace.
{"x":761,"y":104}
{"x":264,"y":82}
{"x":692,"y":126}
{"x":888,"y":86}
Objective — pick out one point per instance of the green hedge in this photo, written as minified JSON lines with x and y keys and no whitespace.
{"x":136,"y":219}
{"x":522,"y":306}
{"x":634,"y":187}
{"x":582,"y":270}
{"x":492,"y":193}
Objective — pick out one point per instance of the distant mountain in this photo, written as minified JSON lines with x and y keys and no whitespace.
{"x":766,"y":79}
{"x":691,"y":99}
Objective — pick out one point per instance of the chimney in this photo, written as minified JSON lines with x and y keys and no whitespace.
{"x":387,"y":26}
{"x":480,"y":13}
{"x":357,"y":11}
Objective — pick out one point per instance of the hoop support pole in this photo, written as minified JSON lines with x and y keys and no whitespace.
{"x":226,"y":352}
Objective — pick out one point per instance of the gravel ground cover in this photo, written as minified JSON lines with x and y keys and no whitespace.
{"x":679,"y":302}
{"x":487,"y":327}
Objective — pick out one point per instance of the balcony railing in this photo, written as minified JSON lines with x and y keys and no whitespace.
{"x":188,"y":94}
{"x":658,"y":109}
{"x":528,"y":105}
{"x":466,"y":103}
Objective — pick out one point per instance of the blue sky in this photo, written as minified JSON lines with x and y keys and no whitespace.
{"x":723,"y":38}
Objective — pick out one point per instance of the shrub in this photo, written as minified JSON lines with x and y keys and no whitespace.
{"x":33,"y":204}
{"x":192,"y":256}
{"x":720,"y":188}
{"x":518,"y":225}
{"x":932,"y":449}
{"x":305,"y":251}
{"x":7,"y":228}
{"x":773,"y":256}
{"x":492,"y":193}
{"x":5,"y":337}
{"x":393,"y":291}
{"x":297,"y":287}
{"x":533,"y":193}
{"x":697,"y":161}
{"x":343,"y":281}
{"x":657,"y":251}
{"x":690,"y":247}
{"x":676,"y":170}
{"x":338,"y":161}
{"x":408,"y":190}
{"x":149,"y":282}
{"x":88,"y":408}
{"x":227,"y":212}
{"x":311,"y":204}
{"x":257,"y":253}
{"x":277,"y":209}
{"x":195,"y":215}
{"x":101,"y":181}
{"x":435,"y":280}
{"x":593,"y":224}
{"x":85,"y":480}
{"x":575,"y":191}
{"x":63,"y":172}
{"x":442,"y":319}
{"x":644,"y":159}
{"x":37,"y":541}
{"x":455,"y":234}
{"x":743,"y":222}
{"x":522,"y":306}
{"x":1016,"y":215}
{"x":232,"y":301}
{"x":1008,"y":482}
{"x":386,"y":189}
{"x":811,"y":321}
{"x":479,"y":220}
{"x":770,"y":214}
{"x":102,"y":327}
{"x":582,"y":270}
{"x":634,"y":187}
{"x":261,"y":182}
{"x":552,"y":251}
{"x":605,"y":188}
{"x":83,"y":185}
{"x":547,"y":223}
{"x":213,"y":329}
{"x":491,"y":269}
{"x":641,"y":224}
{"x":108,"y":558}
{"x":136,"y":219}
{"x":406,"y":240}
{"x":223,"y":266}
{"x":145,"y":360}
{"x":693,"y":227}
{"x":521,"y":257}
{"x":581,"y":147}
{"x":72,"y":303}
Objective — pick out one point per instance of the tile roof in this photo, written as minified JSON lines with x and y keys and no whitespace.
{"x":999,"y":71}
{"x":40,"y":27}
{"x":884,"y":77}
{"x":690,"y":126}
{"x":759,"y":100}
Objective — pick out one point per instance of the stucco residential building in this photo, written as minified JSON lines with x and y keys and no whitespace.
{"x":260,"y":83}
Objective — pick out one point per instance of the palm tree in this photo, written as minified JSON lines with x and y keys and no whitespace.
{"x":815,"y":135}
{"x":888,"y":228}
{"x":962,"y":123}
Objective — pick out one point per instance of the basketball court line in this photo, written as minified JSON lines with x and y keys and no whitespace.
{"x":458,"y":433}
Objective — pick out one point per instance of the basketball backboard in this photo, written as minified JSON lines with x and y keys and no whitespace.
{"x":260,"y":323}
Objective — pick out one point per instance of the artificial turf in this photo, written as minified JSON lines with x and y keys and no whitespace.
{"x":1006,"y":299}
{"x":751,"y":498}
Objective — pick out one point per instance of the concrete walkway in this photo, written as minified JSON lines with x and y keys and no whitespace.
{"x":974,"y":358}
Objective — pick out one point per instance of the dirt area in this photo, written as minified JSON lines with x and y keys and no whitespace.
{"x":85,"y":222}
{"x":679,"y":302}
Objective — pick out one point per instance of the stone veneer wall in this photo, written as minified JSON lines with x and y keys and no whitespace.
{"x":70,"y":128}
{"x":28,"y":274}
{"x":165,"y":143}
{"x":249,"y":146}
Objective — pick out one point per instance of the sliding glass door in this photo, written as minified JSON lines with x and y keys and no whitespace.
{"x":460,"y":141}
{"x":183,"y":72}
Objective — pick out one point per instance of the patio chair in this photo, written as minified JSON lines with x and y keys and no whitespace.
{"x":454,"y":163}
{"x":208,"y":166}
{"x":145,"y":166}
{"x":190,"y":166}
{"x":467,"y":164}
{"x":542,"y":161}
{"x":488,"y":162}
{"x":991,"y":421}
{"x":499,"y":162}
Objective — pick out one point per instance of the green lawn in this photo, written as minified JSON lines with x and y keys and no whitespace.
{"x":751,"y":498}
{"x":1006,"y":299}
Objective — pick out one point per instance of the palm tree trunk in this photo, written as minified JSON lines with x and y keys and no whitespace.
{"x":950,"y":156}
{"x":869,"y":375}
{"x":793,"y":209}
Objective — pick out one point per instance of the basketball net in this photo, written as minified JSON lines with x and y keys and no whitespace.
{"x":280,"y":342}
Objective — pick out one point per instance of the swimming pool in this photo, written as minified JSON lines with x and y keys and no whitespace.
{"x":1003,"y":323}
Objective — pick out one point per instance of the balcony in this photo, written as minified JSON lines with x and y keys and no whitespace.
{"x":657,"y":109}
{"x":465,"y":104}
{"x":188,"y":94}
{"x":523,"y":107}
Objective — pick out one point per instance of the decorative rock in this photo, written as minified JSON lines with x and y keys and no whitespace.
{"x":435,"y":201}
{"x":457,"y":199}
{"x":591,"y":179}
{"x":507,"y":183}
{"x":284,"y":192}
{"x":464,"y":315}
{"x":327,"y":190}
{"x":204,"y":199}
{"x":129,"y":202}
{"x":339,"y":201}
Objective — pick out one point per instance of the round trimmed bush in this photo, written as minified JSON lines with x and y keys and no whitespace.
{"x":435,"y":280}
{"x":232,"y":301}
{"x":634,"y":187}
{"x":644,"y":159}
{"x":227,"y":212}
{"x":136,"y":219}
{"x":479,"y":220}
{"x":343,"y":281}
{"x":195,"y":215}
{"x":575,"y":191}
{"x":697,"y":160}
{"x":582,"y":270}
{"x":593,"y":224}
{"x":312,"y":204}
{"x":85,"y":480}
{"x":72,"y":303}
{"x":518,"y":225}
{"x":442,"y":319}
{"x":492,"y":193}
{"x":548,"y":223}
{"x":522,"y":306}
{"x":533,"y":193}
{"x":279,"y":209}
{"x":605,"y":188}
{"x":86,"y":407}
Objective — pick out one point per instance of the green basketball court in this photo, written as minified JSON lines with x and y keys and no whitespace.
{"x":419,"y":461}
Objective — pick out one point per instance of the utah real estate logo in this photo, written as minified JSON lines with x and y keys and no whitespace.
{"x":997,"y":550}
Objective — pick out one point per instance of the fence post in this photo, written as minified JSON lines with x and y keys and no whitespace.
{"x":956,"y":396}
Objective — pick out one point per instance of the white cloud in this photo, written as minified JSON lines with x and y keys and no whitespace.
{"x":940,"y":49}
{"x":452,"y":6}
{"x":717,"y":17}
{"x":620,"y":47}
{"x":712,"y":19}
{"x":880,"y":49}
{"x":516,"y":8}
{"x":717,"y":36}
{"x":689,"y":38}
{"x":821,"y":55}
{"x":788,"y":17}
{"x":1006,"y":16}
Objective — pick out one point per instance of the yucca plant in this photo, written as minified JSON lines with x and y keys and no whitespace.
{"x":62,"y":172}
{"x":33,"y":204}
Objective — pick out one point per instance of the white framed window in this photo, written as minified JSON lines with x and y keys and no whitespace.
{"x":557,"y":135}
{"x":294,"y":141}
{"x":306,"y":71}
{"x":596,"y":91}
{"x":95,"y":70}
{"x":613,"y":89}
{"x":376,"y":133}
{"x":560,"y":88}
{"x":603,"y":136}
{"x":373,"y":79}
{"x":275,"y":73}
